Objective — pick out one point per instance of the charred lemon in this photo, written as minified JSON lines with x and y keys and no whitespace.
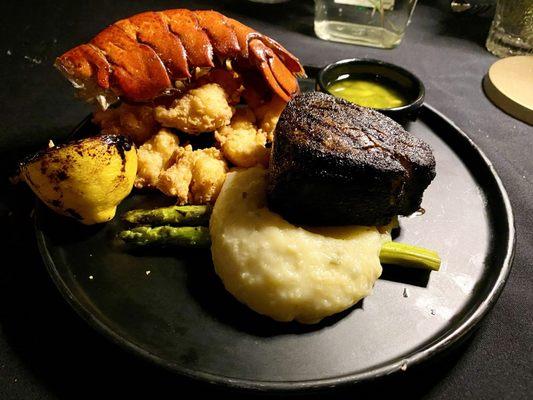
{"x":85,"y":179}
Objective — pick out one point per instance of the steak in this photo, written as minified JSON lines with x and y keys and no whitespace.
{"x":336,"y":163}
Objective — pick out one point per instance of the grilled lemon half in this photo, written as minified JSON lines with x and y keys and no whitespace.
{"x":85,"y":179}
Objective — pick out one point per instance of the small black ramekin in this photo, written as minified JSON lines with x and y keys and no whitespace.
{"x":401,"y":79}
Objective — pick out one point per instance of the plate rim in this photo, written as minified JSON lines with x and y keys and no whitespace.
{"x":464,"y":327}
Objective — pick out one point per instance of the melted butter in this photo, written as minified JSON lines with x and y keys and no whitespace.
{"x":367,"y":93}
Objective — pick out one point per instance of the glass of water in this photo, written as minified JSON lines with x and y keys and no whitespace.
{"x":511,"y":32}
{"x":377,"y":23}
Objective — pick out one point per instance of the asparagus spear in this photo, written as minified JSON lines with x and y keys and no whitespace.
{"x":401,"y":254}
{"x":173,"y":215}
{"x":182,"y":236}
{"x":407,"y":255}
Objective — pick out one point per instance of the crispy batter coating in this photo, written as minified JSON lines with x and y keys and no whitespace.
{"x":230,"y":81}
{"x":241,"y":142}
{"x":203,"y":109}
{"x":154,"y":156}
{"x":134,"y":121}
{"x":196,"y":177}
{"x":193,"y":176}
{"x":268,"y":116}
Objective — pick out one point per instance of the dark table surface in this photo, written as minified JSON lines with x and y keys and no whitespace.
{"x":48,"y":352}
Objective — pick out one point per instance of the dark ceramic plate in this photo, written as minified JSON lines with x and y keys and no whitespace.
{"x":170,"y":307}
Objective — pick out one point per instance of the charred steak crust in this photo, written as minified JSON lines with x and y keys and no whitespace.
{"x":336,"y":163}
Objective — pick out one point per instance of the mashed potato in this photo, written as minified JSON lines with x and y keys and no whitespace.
{"x":284,"y":271}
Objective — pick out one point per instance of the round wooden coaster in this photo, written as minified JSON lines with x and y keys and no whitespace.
{"x":509,"y":85}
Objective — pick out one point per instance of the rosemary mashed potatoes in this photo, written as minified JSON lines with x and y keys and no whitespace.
{"x":282,"y":270}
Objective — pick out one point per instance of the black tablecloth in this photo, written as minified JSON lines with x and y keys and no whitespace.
{"x":48,"y":352}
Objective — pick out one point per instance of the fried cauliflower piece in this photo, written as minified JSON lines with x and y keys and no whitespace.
{"x":193,"y":176}
{"x":196,"y":176}
{"x":241,"y":142}
{"x":134,"y":121}
{"x":230,"y":81}
{"x":268,"y":116}
{"x":203,"y":109}
{"x":154,"y":156}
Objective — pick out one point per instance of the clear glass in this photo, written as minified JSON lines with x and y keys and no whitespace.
{"x":376,"y":23}
{"x":511,"y":32}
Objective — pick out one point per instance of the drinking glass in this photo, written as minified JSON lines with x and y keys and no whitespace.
{"x":377,"y":23}
{"x":511,"y":32}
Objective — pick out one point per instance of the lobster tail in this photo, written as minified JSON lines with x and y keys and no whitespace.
{"x":141,"y":57}
{"x":277,"y":75}
{"x":151,"y":29}
{"x":247,"y":34}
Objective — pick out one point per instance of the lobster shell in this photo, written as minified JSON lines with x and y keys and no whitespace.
{"x":141,"y":57}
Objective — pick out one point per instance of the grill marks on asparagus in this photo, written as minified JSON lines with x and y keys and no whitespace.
{"x":167,"y":236}
{"x":174,"y":215}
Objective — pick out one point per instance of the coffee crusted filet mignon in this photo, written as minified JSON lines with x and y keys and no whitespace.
{"x":336,"y":163}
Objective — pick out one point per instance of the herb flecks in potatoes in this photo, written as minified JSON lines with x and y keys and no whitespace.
{"x":284,"y":271}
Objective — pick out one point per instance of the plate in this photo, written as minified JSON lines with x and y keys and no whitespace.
{"x":170,"y":308}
